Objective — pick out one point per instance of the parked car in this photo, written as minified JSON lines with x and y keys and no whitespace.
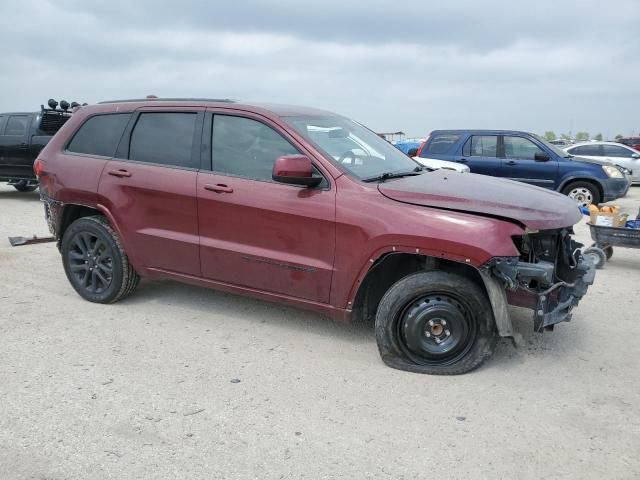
{"x":525,"y":157}
{"x":307,"y":208}
{"x":411,"y":146}
{"x":22,"y":136}
{"x":633,"y":142}
{"x":559,"y":142}
{"x":613,"y":152}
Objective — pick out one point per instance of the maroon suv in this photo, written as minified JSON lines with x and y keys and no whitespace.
{"x":311,"y":209}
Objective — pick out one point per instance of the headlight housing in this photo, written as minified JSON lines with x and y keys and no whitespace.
{"x":612,"y":172}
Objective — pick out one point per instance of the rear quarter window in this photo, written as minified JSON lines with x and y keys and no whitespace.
{"x":99,"y":135}
{"x":441,"y":144}
{"x":17,"y":125}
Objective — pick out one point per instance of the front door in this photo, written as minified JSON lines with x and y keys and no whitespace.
{"x":150,"y":188}
{"x":258,"y":233}
{"x":524,"y":161}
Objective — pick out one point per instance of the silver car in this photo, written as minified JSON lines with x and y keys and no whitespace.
{"x":613,"y":152}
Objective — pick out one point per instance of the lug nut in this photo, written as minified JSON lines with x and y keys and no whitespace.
{"x":447,"y":333}
{"x":444,"y":322}
{"x":428,"y":335}
{"x":438,"y":340}
{"x":431,"y":323}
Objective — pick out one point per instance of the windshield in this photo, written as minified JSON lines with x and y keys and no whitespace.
{"x":352,"y":146}
{"x":553,"y":148}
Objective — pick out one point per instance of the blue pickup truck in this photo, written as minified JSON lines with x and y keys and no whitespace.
{"x":525,"y":157}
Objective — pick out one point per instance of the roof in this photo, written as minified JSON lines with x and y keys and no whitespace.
{"x":18,"y":113}
{"x":483,"y":132}
{"x":281,"y":110}
{"x":618,"y":144}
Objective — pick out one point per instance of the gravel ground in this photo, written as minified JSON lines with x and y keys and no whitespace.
{"x":183,"y":382}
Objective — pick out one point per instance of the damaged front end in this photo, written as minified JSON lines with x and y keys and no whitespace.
{"x":550,"y":277}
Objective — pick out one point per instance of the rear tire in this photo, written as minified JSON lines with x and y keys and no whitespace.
{"x":95,"y":262}
{"x":435,"y":322}
{"x":25,"y":188}
{"x":584,"y":193}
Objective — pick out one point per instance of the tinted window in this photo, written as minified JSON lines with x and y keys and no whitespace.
{"x":17,"y":125}
{"x":614,"y":151}
{"x":518,"y":147}
{"x":481,"y":146}
{"x":589,"y":150}
{"x":246,"y":148}
{"x":99,"y":135}
{"x":165,"y":138}
{"x":440,"y":144}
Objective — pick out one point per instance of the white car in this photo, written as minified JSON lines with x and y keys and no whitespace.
{"x":613,"y":152}
{"x":442,"y":164}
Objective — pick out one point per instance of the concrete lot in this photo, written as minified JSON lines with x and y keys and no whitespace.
{"x":148,"y":388}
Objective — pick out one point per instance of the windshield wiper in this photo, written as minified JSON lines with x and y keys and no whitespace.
{"x":388,"y":175}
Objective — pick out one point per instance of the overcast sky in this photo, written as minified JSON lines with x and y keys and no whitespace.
{"x":412,"y":66}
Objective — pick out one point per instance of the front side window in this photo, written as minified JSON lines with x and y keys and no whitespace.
{"x":481,"y":146}
{"x":615,"y":151}
{"x":441,"y":144}
{"x":165,"y":138}
{"x":17,"y":125}
{"x":351,"y":146}
{"x":522,"y":148}
{"x":99,"y":135}
{"x":246,"y":148}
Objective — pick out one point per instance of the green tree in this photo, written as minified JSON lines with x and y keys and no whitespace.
{"x":582,"y":136}
{"x":618,"y":137}
{"x":598,"y":137}
{"x":550,"y":135}
{"x":564,"y":136}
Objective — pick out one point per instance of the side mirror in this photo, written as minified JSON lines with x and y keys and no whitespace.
{"x":635,"y":155}
{"x":541,"y":157}
{"x":295,"y":170}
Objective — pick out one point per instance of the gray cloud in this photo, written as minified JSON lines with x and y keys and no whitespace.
{"x":409,"y":66}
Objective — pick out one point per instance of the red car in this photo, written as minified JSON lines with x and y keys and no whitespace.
{"x":633,"y":142}
{"x":307,"y":208}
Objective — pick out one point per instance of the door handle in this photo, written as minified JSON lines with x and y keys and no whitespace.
{"x":218,"y":188}
{"x":512,"y":162}
{"x":120,"y":173}
{"x":462,"y":160}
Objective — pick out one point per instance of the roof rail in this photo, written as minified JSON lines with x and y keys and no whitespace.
{"x":136,"y":100}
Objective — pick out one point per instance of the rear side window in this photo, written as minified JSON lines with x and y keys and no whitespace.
{"x":165,"y":138}
{"x":17,"y":125}
{"x":247,"y":148}
{"x":589,"y":150}
{"x":441,"y":143}
{"x":481,"y":146}
{"x":99,"y":135}
{"x":615,"y":151}
{"x":519,"y":147}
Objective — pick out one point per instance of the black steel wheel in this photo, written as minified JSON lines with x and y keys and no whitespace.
{"x":435,"y":329}
{"x":24,"y":187}
{"x":95,"y":262}
{"x":435,"y":322}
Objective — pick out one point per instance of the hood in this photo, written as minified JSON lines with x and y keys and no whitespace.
{"x":590,"y":160}
{"x":533,"y":207}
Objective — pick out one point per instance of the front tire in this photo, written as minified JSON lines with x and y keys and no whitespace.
{"x":584,"y":193}
{"x":95,"y":262}
{"x":435,"y":322}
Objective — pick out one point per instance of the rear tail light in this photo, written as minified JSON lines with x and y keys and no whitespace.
{"x":38,"y":167}
{"x":419,"y":152}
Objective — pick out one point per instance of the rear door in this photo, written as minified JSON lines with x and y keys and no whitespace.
{"x":150,"y":188}
{"x":594,"y":152}
{"x":480,"y":153}
{"x":14,"y":142}
{"x":255,"y":232}
{"x":524,"y":161}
